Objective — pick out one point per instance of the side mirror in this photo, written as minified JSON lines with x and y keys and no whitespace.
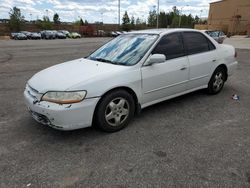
{"x":156,"y":58}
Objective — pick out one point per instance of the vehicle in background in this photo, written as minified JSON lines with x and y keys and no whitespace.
{"x":27,"y":33}
{"x":219,"y":36}
{"x":47,"y":34}
{"x":54,"y":33}
{"x":35,"y":36}
{"x":129,"y":73}
{"x":114,"y":34}
{"x":12,"y":35}
{"x":60,"y":35}
{"x":42,"y":34}
{"x":99,"y":33}
{"x":117,"y":33}
{"x":20,"y":36}
{"x":75,"y":35}
{"x":65,"y":32}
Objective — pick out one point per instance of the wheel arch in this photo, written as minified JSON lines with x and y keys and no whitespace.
{"x":223,"y":66}
{"x":127,"y":89}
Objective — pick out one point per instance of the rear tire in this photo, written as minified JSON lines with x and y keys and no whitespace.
{"x":217,"y":81}
{"x":114,"y":111}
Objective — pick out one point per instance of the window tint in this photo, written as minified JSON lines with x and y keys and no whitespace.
{"x":196,"y":42}
{"x":211,"y":45}
{"x":171,"y":46}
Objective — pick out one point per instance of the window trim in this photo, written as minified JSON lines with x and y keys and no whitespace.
{"x":207,"y":39}
{"x":181,"y":39}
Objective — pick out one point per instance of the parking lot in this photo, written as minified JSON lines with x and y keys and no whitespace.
{"x":195,"y":140}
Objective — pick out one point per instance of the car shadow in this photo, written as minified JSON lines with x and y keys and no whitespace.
{"x":175,"y":102}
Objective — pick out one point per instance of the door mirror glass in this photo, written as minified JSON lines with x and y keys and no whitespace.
{"x":156,"y":58}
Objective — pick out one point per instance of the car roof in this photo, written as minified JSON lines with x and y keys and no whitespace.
{"x":161,"y":31}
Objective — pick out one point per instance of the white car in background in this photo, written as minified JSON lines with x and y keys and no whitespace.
{"x":129,"y":73}
{"x":218,"y":36}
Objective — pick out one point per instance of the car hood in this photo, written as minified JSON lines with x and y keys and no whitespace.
{"x":63,"y":76}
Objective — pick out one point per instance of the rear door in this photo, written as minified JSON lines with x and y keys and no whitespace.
{"x":201,"y":55}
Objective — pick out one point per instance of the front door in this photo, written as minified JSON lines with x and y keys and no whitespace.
{"x":162,"y":80}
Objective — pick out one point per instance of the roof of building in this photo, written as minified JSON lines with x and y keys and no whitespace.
{"x":219,"y":1}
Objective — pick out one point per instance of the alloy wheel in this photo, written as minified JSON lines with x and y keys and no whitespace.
{"x":117,"y":111}
{"x":218,"y":81}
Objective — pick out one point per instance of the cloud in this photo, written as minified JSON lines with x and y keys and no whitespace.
{"x":93,"y":10}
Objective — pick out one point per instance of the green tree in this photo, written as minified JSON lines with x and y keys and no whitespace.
{"x":45,"y":23}
{"x":190,"y":21}
{"x":152,"y":18}
{"x":172,"y":16}
{"x":56,"y":19}
{"x":80,"y":22}
{"x":175,"y":22}
{"x":138,"y":21}
{"x":140,"y":24}
{"x":125,"y":22}
{"x":163,"y":20}
{"x":196,"y":19}
{"x":175,"y":10}
{"x":16,"y":19}
{"x":132,"y":22}
{"x":171,"y":19}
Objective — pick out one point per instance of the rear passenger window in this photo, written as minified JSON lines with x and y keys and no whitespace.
{"x":171,"y":46}
{"x":196,"y":43}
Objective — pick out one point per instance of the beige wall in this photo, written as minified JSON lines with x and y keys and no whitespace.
{"x":232,"y":16}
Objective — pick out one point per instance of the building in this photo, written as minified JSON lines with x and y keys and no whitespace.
{"x":231,"y":16}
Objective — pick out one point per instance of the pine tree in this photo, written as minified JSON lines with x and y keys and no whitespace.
{"x":125,"y":22}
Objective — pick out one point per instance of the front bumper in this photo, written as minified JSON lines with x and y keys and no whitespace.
{"x":62,"y":117}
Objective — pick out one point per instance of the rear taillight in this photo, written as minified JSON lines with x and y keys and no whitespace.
{"x":235,"y":54}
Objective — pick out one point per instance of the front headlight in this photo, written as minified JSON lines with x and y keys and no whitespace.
{"x":67,"y":97}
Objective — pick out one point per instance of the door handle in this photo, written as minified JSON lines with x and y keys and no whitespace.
{"x":183,"y":68}
{"x":214,"y":60}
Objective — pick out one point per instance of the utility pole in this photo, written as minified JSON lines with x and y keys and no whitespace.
{"x":181,"y":15}
{"x":200,"y":16}
{"x":119,"y":13}
{"x":30,"y":17}
{"x":158,"y":8}
{"x":102,"y":17}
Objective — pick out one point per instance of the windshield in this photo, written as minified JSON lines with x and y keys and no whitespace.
{"x":125,"y":49}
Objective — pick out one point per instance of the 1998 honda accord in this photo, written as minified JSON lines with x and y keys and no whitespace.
{"x":130,"y":72}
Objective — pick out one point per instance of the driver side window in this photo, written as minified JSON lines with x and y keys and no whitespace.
{"x":171,"y":46}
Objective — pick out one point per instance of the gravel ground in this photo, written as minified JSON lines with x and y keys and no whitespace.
{"x":195,"y":140}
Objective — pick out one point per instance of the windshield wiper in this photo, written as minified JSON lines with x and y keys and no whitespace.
{"x":107,"y":61}
{"x":103,"y":60}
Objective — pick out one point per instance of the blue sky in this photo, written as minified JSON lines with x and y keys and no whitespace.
{"x":98,"y":10}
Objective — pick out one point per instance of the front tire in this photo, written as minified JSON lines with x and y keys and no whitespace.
{"x":217,"y":81}
{"x":115,"y":111}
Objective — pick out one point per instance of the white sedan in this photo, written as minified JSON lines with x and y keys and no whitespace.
{"x":129,"y":73}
